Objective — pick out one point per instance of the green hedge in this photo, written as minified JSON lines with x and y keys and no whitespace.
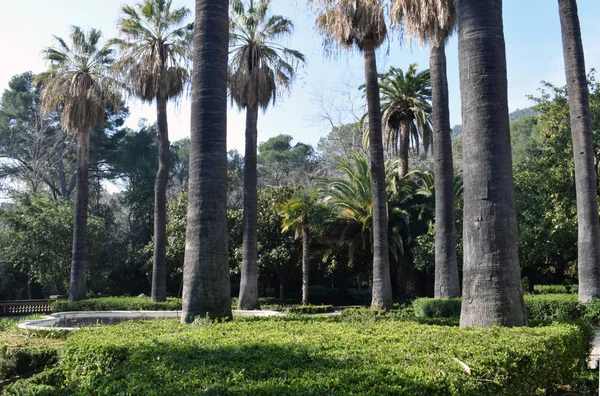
{"x":19,"y":361}
{"x":543,"y":307}
{"x":555,"y":289}
{"x":308,"y":355}
{"x":311,"y":309}
{"x":117,"y":304}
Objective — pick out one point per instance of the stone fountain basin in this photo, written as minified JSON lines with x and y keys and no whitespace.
{"x":70,"y":321}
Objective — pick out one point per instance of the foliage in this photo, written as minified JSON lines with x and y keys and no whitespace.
{"x":437,"y":308}
{"x":310,"y":309}
{"x":117,"y":304}
{"x":19,"y":361}
{"x":555,"y":289}
{"x":320,"y":355}
{"x":37,"y":236}
{"x":281,"y":163}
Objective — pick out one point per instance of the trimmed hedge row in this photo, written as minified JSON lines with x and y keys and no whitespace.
{"x":117,"y":304}
{"x":543,"y":307}
{"x":20,"y":361}
{"x":307,"y":355}
{"x":555,"y":289}
{"x":310,"y":309}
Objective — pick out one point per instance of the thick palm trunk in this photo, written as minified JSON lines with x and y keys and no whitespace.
{"x":159,"y":267}
{"x":77,"y":287}
{"x":492,"y":294}
{"x":206,"y":288}
{"x":588,"y":238}
{"x":446,"y":283}
{"x":305,"y":261}
{"x":382,"y":285}
{"x":404,"y":143}
{"x":249,"y":281}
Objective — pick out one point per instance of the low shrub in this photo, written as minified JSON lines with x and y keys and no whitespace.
{"x":554,"y":307}
{"x":555,"y":289}
{"x":19,"y":361}
{"x":437,"y":308}
{"x":310,"y":355}
{"x":310,"y":309}
{"x":117,"y":304}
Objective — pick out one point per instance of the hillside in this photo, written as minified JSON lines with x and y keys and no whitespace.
{"x":515,"y":115}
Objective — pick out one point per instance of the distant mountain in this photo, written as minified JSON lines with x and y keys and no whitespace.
{"x":515,"y":115}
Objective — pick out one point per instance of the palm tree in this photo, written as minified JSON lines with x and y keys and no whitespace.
{"x":588,"y":239}
{"x":406,"y":110}
{"x":361,"y":23}
{"x":154,"y":56}
{"x":206,"y":289}
{"x":79,"y":84}
{"x":303,"y":213}
{"x":433,"y":21}
{"x":258,"y":67}
{"x":492,"y":294}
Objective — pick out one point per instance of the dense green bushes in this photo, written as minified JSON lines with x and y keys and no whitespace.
{"x":117,"y":304}
{"x":543,"y":307}
{"x":314,"y":356}
{"x":19,"y":361}
{"x":555,"y":289}
{"x":311,"y":309}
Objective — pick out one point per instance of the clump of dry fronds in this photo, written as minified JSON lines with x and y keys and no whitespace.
{"x":430,"y":21}
{"x":346,"y":23}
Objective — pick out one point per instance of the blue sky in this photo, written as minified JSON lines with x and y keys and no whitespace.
{"x":532,"y":33}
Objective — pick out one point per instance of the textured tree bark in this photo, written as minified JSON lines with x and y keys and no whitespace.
{"x":588,"y":236}
{"x":249,"y":280}
{"x":77,"y":286}
{"x":404,"y":143}
{"x":206,"y":288}
{"x":305,"y":260}
{"x":159,"y":267}
{"x":492,"y":294}
{"x":382,"y":285}
{"x":446,"y":283}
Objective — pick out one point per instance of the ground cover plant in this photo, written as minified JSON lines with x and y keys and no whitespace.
{"x":117,"y":304}
{"x":307,"y":355}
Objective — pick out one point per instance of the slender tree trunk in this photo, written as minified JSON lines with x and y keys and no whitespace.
{"x":249,"y":281}
{"x":206,"y":288}
{"x":492,"y":294}
{"x":305,"y":260}
{"x":159,"y":261}
{"x":77,"y":287}
{"x":404,"y":145}
{"x":446,"y":272}
{"x":382,"y":285}
{"x":588,"y":238}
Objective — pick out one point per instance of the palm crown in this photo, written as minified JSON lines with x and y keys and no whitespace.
{"x":155,"y":50}
{"x":406,"y":101}
{"x":259,"y":65}
{"x":78,"y":80}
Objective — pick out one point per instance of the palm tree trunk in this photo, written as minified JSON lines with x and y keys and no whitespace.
{"x":382,"y":285}
{"x":249,"y":281}
{"x":77,"y":287}
{"x":492,"y":294}
{"x":159,"y":267}
{"x":446,"y":272}
{"x":305,"y":260}
{"x":404,"y":144}
{"x":206,"y":288}
{"x":588,"y":238}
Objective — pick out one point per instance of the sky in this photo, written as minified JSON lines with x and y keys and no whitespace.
{"x":325,"y":85}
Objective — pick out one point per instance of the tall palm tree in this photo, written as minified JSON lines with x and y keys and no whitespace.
{"x":492,"y":294}
{"x":154,"y":57}
{"x":406,"y":110}
{"x":258,"y":67}
{"x":588,"y":239}
{"x":304,"y":214}
{"x":361,"y":23}
{"x":78,"y":82}
{"x":206,"y":288}
{"x":432,"y":22}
